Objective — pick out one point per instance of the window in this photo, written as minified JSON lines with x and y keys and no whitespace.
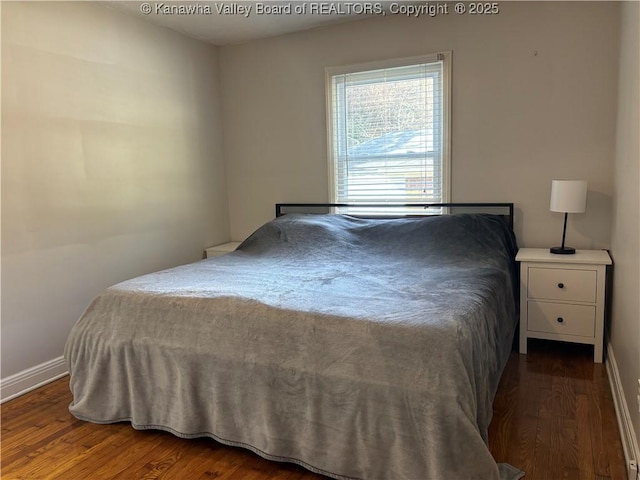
{"x":388,"y":128}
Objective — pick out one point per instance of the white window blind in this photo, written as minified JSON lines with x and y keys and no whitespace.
{"x":388,"y":131}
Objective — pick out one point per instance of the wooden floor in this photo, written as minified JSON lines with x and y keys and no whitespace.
{"x":553,"y":418}
{"x":553,"y":415}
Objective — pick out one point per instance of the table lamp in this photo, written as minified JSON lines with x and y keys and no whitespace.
{"x":567,"y":196}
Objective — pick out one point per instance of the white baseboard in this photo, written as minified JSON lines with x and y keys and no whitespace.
{"x":627,"y":434}
{"x":32,"y":378}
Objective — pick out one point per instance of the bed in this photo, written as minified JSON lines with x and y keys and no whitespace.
{"x":359,"y":348}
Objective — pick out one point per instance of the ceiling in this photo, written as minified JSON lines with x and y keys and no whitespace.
{"x":230,"y":22}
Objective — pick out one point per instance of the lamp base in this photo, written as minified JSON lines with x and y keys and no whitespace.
{"x":562,"y":250}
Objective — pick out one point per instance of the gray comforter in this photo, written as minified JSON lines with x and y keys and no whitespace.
{"x":357,"y":348}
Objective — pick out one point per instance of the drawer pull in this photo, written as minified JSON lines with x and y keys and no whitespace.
{"x":560,"y":319}
{"x":561,"y":285}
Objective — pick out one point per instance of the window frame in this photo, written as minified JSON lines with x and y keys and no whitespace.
{"x":330,"y":72}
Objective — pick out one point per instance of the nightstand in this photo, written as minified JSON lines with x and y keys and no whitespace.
{"x":222,"y":249}
{"x":562,"y":297}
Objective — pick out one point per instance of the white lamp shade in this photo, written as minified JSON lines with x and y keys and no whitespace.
{"x":569,"y":196}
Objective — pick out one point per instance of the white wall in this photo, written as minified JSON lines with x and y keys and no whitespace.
{"x":111,"y":163}
{"x":534,"y":98}
{"x":625,"y":245}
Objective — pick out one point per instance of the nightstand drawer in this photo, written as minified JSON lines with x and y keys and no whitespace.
{"x":562,"y":318}
{"x":562,"y":284}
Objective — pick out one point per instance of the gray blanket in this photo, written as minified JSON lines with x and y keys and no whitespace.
{"x":367,"y":349}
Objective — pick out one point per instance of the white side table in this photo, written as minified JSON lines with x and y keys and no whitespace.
{"x":562,"y":297}
{"x":222,"y":249}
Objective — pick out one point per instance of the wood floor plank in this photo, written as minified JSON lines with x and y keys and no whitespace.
{"x":15,"y":453}
{"x":133,"y":445}
{"x":203,"y":458}
{"x":553,"y":418}
{"x":99,"y":450}
{"x":34,"y":415}
{"x":521,"y":443}
{"x":46,"y":395}
{"x":35,"y":463}
{"x":597,"y":411}
{"x":158,"y":457}
{"x":583,"y":435}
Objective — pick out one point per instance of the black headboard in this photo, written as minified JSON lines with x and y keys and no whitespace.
{"x":503,"y":209}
